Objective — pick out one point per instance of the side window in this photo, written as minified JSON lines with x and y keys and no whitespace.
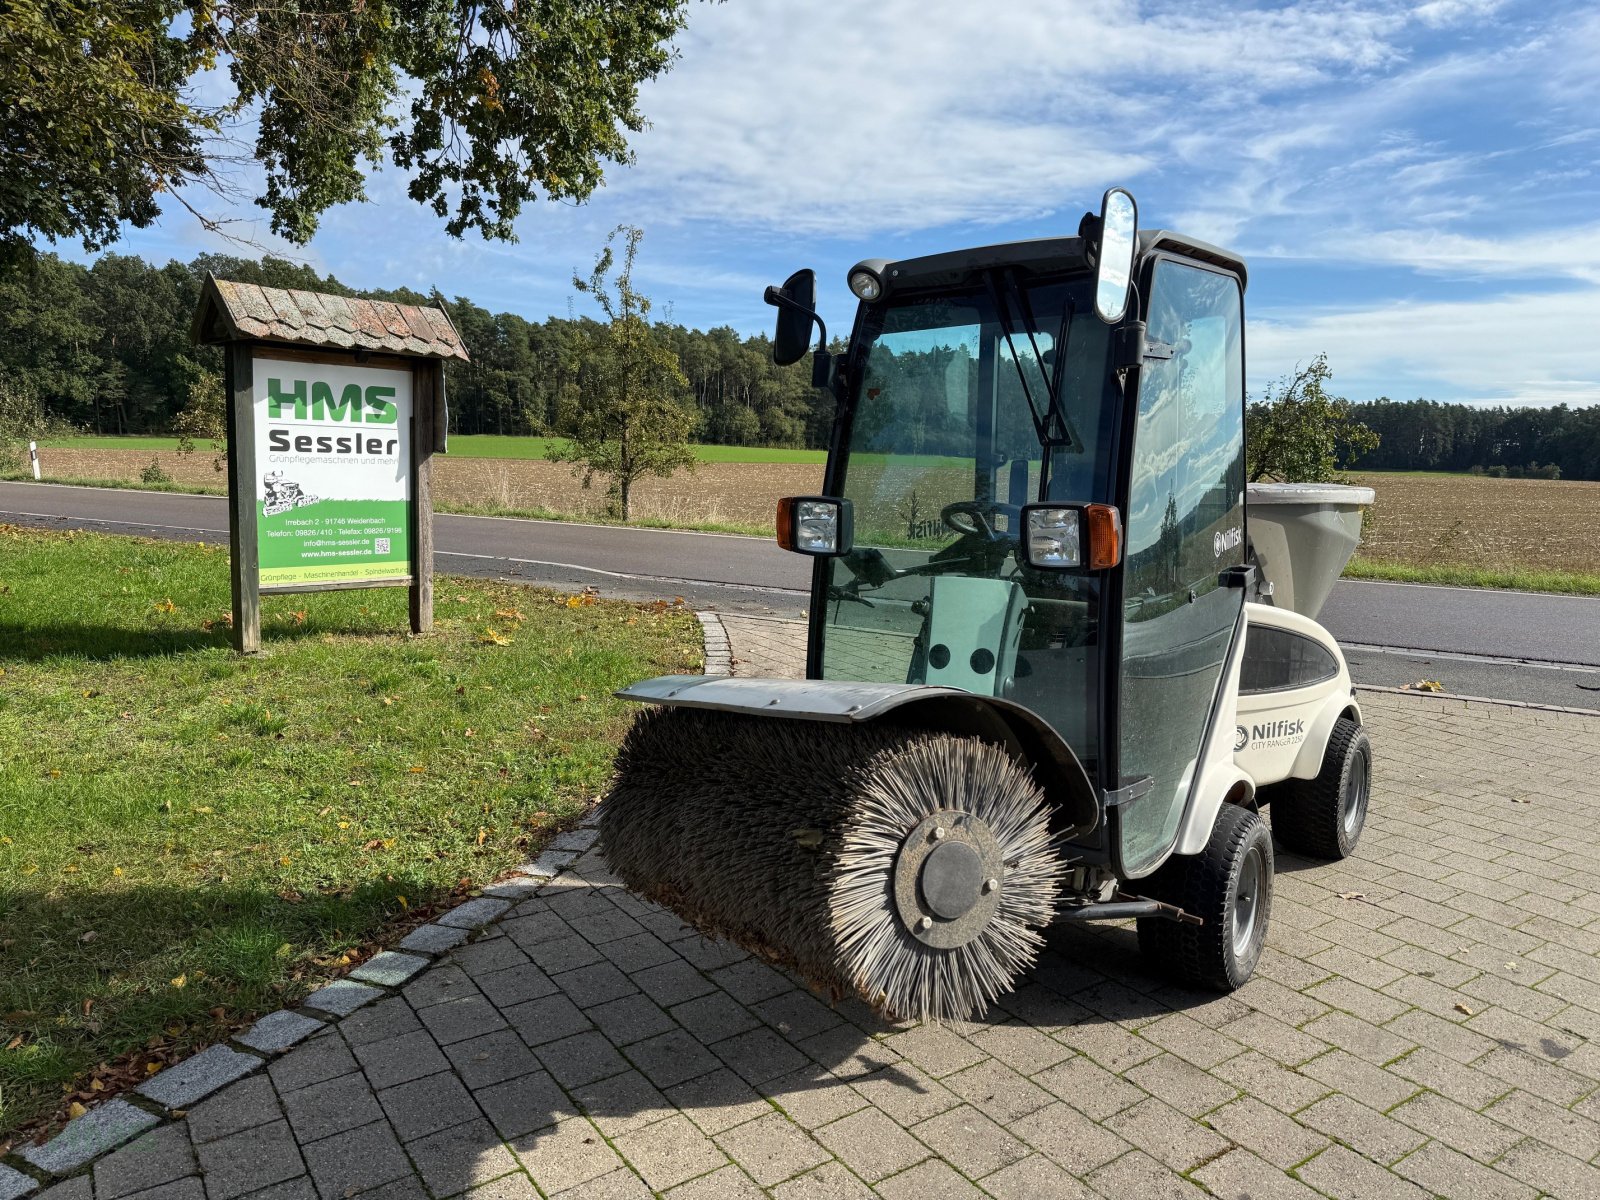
{"x":1276,"y":660}
{"x":1184,"y":525}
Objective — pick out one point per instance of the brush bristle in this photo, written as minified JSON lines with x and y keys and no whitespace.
{"x":781,"y":835}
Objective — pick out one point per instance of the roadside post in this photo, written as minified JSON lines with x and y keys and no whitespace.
{"x":33,"y":457}
{"x":335,"y":409}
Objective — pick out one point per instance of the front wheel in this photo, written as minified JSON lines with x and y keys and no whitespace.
{"x":1323,"y":817}
{"x":1228,"y":885}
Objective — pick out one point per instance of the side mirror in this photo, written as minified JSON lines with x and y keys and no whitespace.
{"x":796,"y":302}
{"x":1119,"y":229}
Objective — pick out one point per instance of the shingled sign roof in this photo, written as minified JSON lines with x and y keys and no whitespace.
{"x":247,"y":311}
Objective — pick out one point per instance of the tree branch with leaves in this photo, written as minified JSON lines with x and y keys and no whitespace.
{"x":1298,"y":433}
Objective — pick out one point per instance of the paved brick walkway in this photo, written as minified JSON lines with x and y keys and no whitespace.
{"x":1426,"y":1021}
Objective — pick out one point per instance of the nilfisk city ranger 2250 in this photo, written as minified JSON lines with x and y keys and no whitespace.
{"x":1046,"y":678}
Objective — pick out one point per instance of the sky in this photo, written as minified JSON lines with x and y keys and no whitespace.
{"x":1413,"y":185}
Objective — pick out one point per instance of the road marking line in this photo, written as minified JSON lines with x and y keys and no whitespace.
{"x":1461,"y":656}
{"x":541,"y":562}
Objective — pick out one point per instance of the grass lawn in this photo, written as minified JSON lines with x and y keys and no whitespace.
{"x":461,"y":445}
{"x":188,"y":839}
{"x":1521,"y":579}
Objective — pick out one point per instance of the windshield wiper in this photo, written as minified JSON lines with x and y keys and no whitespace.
{"x":1053,"y":429}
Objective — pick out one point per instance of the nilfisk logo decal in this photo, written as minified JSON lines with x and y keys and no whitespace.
{"x":1272,"y":735}
{"x":1227,"y":539}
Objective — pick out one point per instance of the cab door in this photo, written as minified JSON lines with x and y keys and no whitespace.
{"x":1184,"y":525}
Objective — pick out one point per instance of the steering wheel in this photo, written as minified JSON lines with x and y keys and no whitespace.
{"x":969,"y":517}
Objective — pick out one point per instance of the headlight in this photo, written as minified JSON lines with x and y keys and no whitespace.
{"x":866,"y":285}
{"x":816,"y":527}
{"x":1055,"y":537}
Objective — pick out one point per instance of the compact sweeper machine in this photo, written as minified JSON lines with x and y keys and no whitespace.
{"x":1053,"y":674}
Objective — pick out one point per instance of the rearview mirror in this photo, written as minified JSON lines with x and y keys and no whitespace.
{"x":1119,"y":228}
{"x":796,"y":302}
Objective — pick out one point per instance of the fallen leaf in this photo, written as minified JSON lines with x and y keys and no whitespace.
{"x":1352,"y":895}
{"x":165,"y":605}
{"x":14,"y":1042}
{"x":117,"y":871}
{"x":417,"y":770}
{"x":285,"y":861}
{"x":490,"y":638}
{"x":180,"y":981}
{"x":87,"y":936}
{"x":1426,"y":685}
{"x":1463,"y":1010}
{"x":401,"y":900}
{"x":150,"y":1068}
{"x":76,"y":1110}
{"x":344,"y":824}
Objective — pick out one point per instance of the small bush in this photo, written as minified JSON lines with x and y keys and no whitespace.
{"x":155,"y":473}
{"x":1496,"y":472}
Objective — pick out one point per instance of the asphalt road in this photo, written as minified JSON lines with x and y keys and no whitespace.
{"x":1509,"y":645}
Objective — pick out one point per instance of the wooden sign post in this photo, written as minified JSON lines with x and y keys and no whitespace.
{"x":335,"y":409}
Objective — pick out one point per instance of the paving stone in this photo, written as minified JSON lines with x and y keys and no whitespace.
{"x":388,"y":1018}
{"x":358,"y":1158}
{"x":475,"y":914}
{"x":1345,"y":1175}
{"x":488,"y":954}
{"x":1069,"y":1138}
{"x":622,"y":1103}
{"x":189,"y":1188}
{"x":577,"y":840}
{"x":1266,"y":1131}
{"x":603,"y":927}
{"x":515,"y":985}
{"x":931,"y":1180}
{"x":1366,"y":1131}
{"x":997,"y":1091}
{"x":621,"y":1184}
{"x":672,"y":982}
{"x":1082,"y":1083}
{"x":512,"y":890}
{"x":580,"y":1059}
{"x":936,"y":1049}
{"x":548,"y":864}
{"x":1456,"y":1126}
{"x":342,"y":997}
{"x":1137,"y":1174}
{"x":524,"y":1104}
{"x":1371,"y":1085}
{"x":1240,"y":1175}
{"x":970,"y":1141}
{"x":1563,"y":1129}
{"x":906,"y":1092}
{"x":563,"y":954}
{"x":1166,"y":1134}
{"x":492,"y":1058}
{"x":747,"y":981}
{"x":669,"y":1152}
{"x":759,"y":1055}
{"x":80,"y":1187}
{"x":389,"y":968}
{"x":830,"y":1181}
{"x":1181,"y":1084}
{"x":1035,"y":1178}
{"x":871,"y":1144}
{"x":849,"y":1053}
{"x":594,"y":984}
{"x":14,"y":1185}
{"x":250,"y":1160}
{"x":100,"y":1129}
{"x":727,"y":1183}
{"x":446,"y":981}
{"x":242,"y":1105}
{"x":150,"y":1160}
{"x":811,"y":1096}
{"x":462,"y":1156}
{"x":797,"y":1014}
{"x":672,"y":1057}
{"x":630,"y":1019}
{"x":396,"y":1060}
{"x":423,"y":1106}
{"x":718,"y":1101}
{"x":198,"y":1076}
{"x":771,"y":1148}
{"x":565,"y":1155}
{"x":279,"y":1031}
{"x":331,"y":1107}
{"x":1441,"y":1171}
{"x":322,"y":1057}
{"x":637,"y":953}
{"x":714,"y":1016}
{"x":433,"y":939}
{"x":457,"y":1020}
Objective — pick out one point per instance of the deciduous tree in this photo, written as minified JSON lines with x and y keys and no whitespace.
{"x":625,"y":415}
{"x":1298,"y":433}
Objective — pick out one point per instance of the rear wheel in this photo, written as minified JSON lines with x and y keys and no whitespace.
{"x":1323,"y":817}
{"x":1228,"y":885}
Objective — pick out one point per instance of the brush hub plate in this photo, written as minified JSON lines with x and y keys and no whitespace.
{"x":939,"y":878}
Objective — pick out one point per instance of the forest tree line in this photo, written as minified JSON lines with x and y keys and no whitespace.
{"x":106,"y":350}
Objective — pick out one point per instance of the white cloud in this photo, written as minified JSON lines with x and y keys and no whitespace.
{"x":1513,"y":348}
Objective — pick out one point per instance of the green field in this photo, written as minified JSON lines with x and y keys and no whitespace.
{"x":463,"y":446}
{"x":189,"y":839}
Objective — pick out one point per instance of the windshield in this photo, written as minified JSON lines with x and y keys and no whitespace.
{"x":950,"y":433}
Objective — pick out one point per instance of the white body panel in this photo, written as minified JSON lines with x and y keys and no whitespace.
{"x":1265,"y":737}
